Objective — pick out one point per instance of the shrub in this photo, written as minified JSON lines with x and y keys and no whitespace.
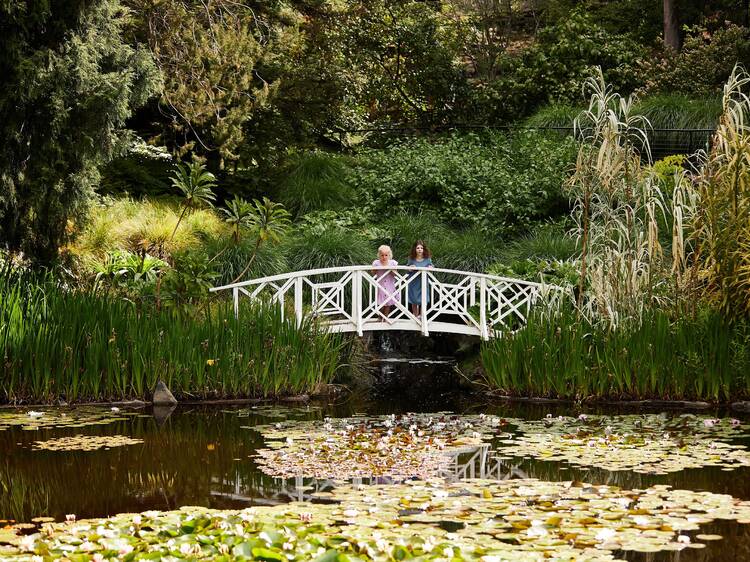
{"x":703,"y":65}
{"x":501,"y":183}
{"x":553,"y":69}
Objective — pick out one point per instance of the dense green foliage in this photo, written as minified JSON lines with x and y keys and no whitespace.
{"x":61,"y":344}
{"x":501,"y":185}
{"x":70,"y":80}
{"x":701,"y":357}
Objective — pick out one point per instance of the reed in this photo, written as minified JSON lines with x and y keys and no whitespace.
{"x":74,"y":346}
{"x":562,"y":355}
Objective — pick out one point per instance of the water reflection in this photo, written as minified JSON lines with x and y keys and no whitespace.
{"x":204,"y":456}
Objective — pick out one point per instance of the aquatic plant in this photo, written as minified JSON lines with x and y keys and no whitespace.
{"x":85,"y":443}
{"x":646,"y":444}
{"x":399,"y":447}
{"x":64,"y":344}
{"x":559,"y":354}
{"x":506,"y":520}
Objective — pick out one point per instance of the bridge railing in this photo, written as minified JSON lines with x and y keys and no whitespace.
{"x":354,"y":298}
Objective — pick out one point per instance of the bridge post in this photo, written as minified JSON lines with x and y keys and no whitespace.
{"x":423,"y":309}
{"x":357,"y":301}
{"x":236,"y":299}
{"x":483,"y":308}
{"x":298,"y":300}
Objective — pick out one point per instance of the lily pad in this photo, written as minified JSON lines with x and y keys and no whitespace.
{"x":85,"y":443}
{"x":649,"y":444}
{"x":395,"y":446}
{"x":489,"y":520}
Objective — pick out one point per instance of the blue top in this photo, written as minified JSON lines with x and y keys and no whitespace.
{"x":415,"y":285}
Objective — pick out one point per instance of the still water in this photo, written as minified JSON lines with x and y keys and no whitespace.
{"x":204,"y":455}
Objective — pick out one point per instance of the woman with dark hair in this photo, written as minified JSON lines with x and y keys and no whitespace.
{"x":418,"y":257}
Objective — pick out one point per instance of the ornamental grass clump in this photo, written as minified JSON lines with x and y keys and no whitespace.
{"x":617,"y":203}
{"x":721,"y":223}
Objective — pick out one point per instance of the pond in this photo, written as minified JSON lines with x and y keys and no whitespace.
{"x":610,"y":465}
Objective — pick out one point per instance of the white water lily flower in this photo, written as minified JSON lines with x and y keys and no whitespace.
{"x":641,"y":520}
{"x":735,"y":422}
{"x":605,"y":534}
{"x":37,"y":558}
{"x":684,"y":539}
{"x":137,"y":519}
{"x":448,"y":551}
{"x":115,"y":409}
{"x":583,"y":417}
{"x":87,"y":546}
{"x":350,"y":513}
{"x":623,"y":502}
{"x":33,"y":414}
{"x":185,"y":548}
{"x":27,"y":542}
{"x":70,"y":517}
{"x":98,"y":557}
{"x":710,"y":422}
{"x":125,"y":549}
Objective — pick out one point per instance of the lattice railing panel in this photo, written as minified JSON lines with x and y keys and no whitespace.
{"x":346,"y":299}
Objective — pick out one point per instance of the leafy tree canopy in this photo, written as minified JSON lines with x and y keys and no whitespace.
{"x":69,"y":82}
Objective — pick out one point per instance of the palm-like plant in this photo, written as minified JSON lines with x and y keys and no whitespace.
{"x":238,"y":214}
{"x":196,"y":184}
{"x":270,"y":221}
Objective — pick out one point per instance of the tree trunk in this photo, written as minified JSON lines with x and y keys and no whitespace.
{"x":671,"y":25}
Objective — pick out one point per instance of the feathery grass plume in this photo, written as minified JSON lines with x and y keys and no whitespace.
{"x":722,"y":222}
{"x":617,"y":203}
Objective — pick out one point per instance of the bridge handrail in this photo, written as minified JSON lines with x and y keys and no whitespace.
{"x":341,"y":269}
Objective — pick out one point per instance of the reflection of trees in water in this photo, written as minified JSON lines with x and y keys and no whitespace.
{"x":180,"y":463}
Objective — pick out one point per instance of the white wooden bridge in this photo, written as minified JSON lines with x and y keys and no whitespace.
{"x":345,"y":298}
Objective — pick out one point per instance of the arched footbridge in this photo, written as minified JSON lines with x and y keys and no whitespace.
{"x":451,"y":301}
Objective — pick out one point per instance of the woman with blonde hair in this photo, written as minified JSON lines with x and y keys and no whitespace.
{"x":387,"y":294}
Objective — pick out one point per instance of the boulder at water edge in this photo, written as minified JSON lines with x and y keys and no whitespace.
{"x":162,"y":395}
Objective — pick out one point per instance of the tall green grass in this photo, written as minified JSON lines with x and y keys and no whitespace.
{"x":316,"y":181}
{"x":702,"y":357}
{"x":66,"y":345}
{"x":664,"y":111}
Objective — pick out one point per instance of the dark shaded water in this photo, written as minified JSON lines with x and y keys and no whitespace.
{"x":203,"y":456}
